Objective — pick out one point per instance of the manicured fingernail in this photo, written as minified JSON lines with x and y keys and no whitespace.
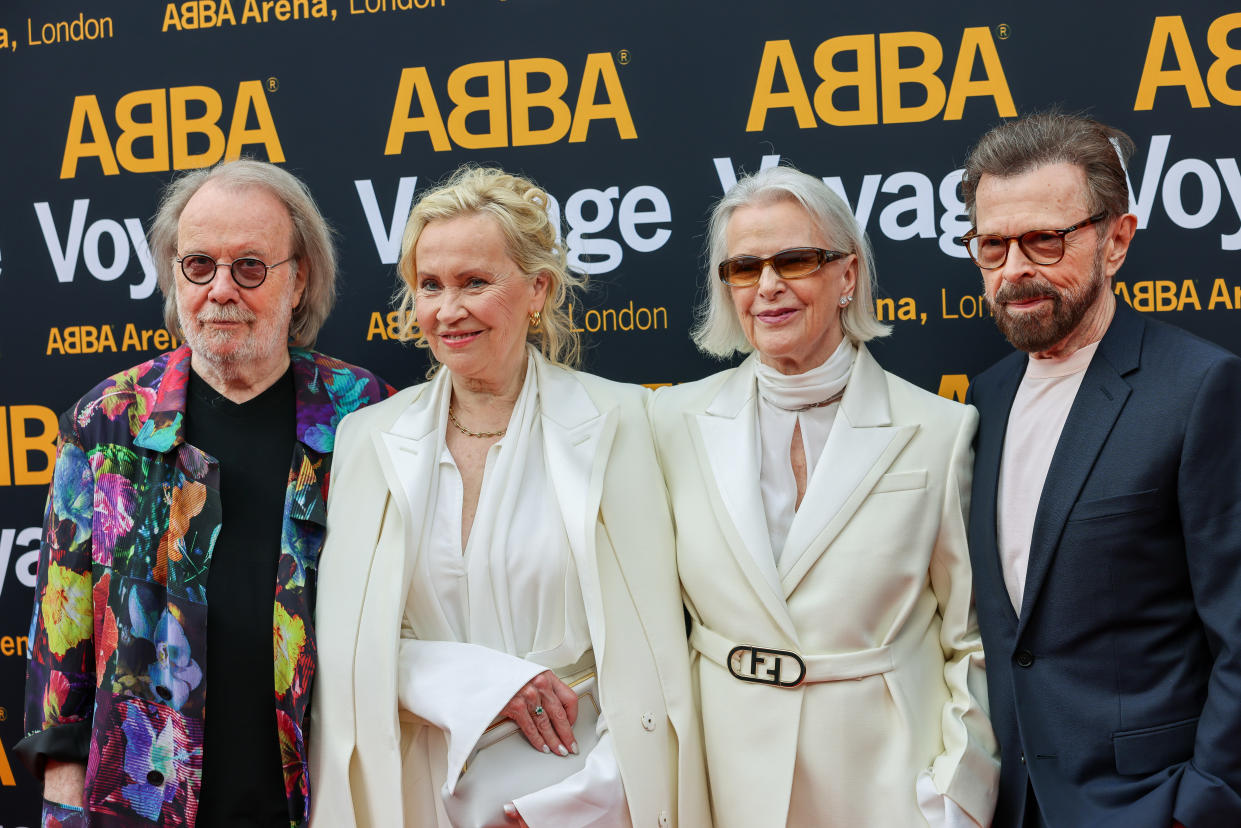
{"x":546,"y":749}
{"x":563,"y":750}
{"x":575,"y":748}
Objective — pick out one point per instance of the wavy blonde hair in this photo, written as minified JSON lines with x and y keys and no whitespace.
{"x":520,"y":209}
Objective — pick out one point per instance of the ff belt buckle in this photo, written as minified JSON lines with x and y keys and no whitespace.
{"x":766,"y":666}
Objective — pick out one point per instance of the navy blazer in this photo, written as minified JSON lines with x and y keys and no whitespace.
{"x":1116,"y":691}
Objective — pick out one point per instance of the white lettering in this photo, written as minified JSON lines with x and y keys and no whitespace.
{"x":387,"y":242}
{"x":26,"y":566}
{"x":82,"y":240}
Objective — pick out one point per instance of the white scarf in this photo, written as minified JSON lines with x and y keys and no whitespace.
{"x":520,"y":594}
{"x":783,"y":404}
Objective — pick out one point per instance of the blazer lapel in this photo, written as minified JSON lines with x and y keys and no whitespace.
{"x":726,"y":442}
{"x":992,"y":426}
{"x":860,"y":448}
{"x":577,"y":439}
{"x":407,"y":452}
{"x":1098,"y":403}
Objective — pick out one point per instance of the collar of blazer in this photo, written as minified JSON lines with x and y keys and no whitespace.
{"x":862,"y":445}
{"x":1099,"y":401}
{"x":577,"y":441}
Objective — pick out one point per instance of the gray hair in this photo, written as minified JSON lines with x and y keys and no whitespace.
{"x":312,"y":243}
{"x":1054,"y":137}
{"x":717,"y":330}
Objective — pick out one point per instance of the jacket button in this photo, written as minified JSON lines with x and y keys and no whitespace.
{"x":648,"y":722}
{"x":1024,"y":658}
{"x":664,"y":819}
{"x":155,"y":777}
{"x":164,"y":692}
{"x":1023,"y":758}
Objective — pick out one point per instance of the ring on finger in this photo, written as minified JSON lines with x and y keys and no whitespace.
{"x":538,"y":711}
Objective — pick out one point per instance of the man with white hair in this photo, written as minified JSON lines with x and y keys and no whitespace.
{"x":184,"y":525}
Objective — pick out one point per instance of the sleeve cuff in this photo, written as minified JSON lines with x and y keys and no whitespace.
{"x":65,"y":743}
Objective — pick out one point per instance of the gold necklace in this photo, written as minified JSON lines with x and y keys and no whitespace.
{"x":481,"y":434}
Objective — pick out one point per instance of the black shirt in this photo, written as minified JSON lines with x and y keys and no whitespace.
{"x":243,"y":784}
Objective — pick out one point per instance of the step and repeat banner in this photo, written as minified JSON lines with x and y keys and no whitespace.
{"x":634,"y":115}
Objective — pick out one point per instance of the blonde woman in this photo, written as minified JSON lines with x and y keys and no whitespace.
{"x":492,"y":534}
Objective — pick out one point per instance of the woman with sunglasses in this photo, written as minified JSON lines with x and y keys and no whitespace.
{"x":820,"y":511}
{"x":501,"y":639}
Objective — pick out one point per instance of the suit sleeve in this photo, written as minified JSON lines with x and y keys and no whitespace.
{"x":967,"y":771}
{"x":1209,"y":495}
{"x":60,"y":683}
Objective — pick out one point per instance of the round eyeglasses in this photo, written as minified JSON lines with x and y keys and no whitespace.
{"x":794,"y":263}
{"x":1043,"y":247}
{"x":247,"y":272}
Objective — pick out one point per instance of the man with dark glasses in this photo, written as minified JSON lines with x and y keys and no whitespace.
{"x":184,"y":525}
{"x":1105,"y":525}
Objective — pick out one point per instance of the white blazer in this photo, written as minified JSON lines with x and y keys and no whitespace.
{"x":872,"y":592}
{"x":365,"y":768}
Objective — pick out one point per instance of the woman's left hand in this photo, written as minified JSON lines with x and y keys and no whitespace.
{"x":545,"y":710}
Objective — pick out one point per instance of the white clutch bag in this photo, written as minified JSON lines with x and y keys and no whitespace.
{"x":504,"y":766}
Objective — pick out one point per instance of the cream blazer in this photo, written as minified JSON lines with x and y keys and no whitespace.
{"x":873,"y":591}
{"x":608,"y":487}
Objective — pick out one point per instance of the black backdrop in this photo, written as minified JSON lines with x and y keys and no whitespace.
{"x":633,"y":114}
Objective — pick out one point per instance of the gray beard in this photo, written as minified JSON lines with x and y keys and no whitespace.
{"x":212,"y":346}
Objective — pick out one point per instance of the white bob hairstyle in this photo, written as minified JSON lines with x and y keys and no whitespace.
{"x":717,"y":331}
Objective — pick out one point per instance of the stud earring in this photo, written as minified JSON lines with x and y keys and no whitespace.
{"x":845,"y":300}
{"x":536,"y":318}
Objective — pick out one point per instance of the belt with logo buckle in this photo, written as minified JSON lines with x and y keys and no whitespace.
{"x":766,"y":666}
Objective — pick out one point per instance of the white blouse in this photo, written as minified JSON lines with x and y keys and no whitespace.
{"x":514,"y":590}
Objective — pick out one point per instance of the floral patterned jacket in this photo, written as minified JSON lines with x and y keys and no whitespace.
{"x":118,"y":638}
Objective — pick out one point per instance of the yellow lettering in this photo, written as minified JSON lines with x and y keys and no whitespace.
{"x":183,"y":126}
{"x":976,"y":43}
{"x":1225,"y":58}
{"x":396,"y":323}
{"x":106,"y":340}
{"x":250,"y":95}
{"x":1122,"y":290}
{"x":171,"y":18}
{"x":1219,"y":295}
{"x":6,"y":772}
{"x":376,"y":327}
{"x":54,"y":342}
{"x":778,"y":54}
{"x":1170,"y":31}
{"x":492,"y":102}
{"x":885,"y":309}
{"x":161,"y":340}
{"x":86,"y":112}
{"x":862,"y":79}
{"x":44,"y":442}
{"x":923,"y":74}
{"x":5,"y":479}
{"x":954,"y":386}
{"x":907,"y":310}
{"x":414,"y":79}
{"x":600,"y":67}
{"x":251,"y":13}
{"x":1189,"y":296}
{"x":132,"y":130}
{"x":943,"y":305}
{"x":550,"y":99}
{"x":129,"y":338}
